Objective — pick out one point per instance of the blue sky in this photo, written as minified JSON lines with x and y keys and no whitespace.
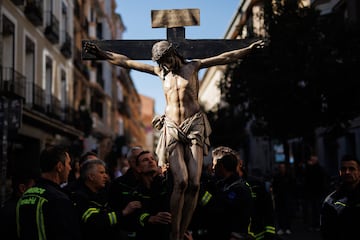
{"x":215,"y":17}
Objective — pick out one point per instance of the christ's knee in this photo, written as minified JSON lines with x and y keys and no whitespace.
{"x":193,"y":188}
{"x":180,"y":187}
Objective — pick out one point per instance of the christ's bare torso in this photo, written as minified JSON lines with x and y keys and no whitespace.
{"x":181,"y":92}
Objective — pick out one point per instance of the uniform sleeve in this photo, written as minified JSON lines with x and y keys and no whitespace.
{"x":94,"y":216}
{"x":243,"y":209}
{"x":328,"y":223}
{"x":65,"y":220}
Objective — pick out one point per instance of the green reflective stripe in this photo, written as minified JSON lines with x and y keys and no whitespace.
{"x":270,"y":229}
{"x":260,"y":235}
{"x":253,"y":194}
{"x":18,"y":219}
{"x":206,"y":198}
{"x":40,"y":219}
{"x":340,"y":203}
{"x":30,"y":199}
{"x":142,"y":218}
{"x":112,"y":218}
{"x":88,"y":214}
{"x":143,"y":196}
{"x":249,"y":229}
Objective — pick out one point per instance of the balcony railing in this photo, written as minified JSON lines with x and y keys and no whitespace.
{"x":18,"y":2}
{"x":85,"y":25}
{"x":51,"y":27}
{"x":34,"y":11}
{"x":39,"y":98}
{"x":53,"y":109}
{"x":66,"y":47}
{"x":68,"y":115}
{"x":76,"y":9}
{"x":12,"y":82}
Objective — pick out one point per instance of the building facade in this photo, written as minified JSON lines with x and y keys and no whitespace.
{"x":49,"y":95}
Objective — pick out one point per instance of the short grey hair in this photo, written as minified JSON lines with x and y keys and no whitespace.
{"x":88,"y":166}
{"x":130,"y":153}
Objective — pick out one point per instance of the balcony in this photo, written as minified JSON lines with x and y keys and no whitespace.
{"x":66,"y":45}
{"x":77,"y":59}
{"x":53,"y":109}
{"x":124,"y":109}
{"x":51,"y":27}
{"x":85,"y":25}
{"x":34,"y":11}
{"x":79,"y":64}
{"x":18,"y":2}
{"x":68,"y":115}
{"x":76,"y":9}
{"x":39,"y":98}
{"x":12,"y":82}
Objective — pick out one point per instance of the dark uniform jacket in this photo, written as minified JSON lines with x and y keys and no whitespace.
{"x":97,"y":220}
{"x":46,"y":212}
{"x":8,"y":219}
{"x":263,"y":218}
{"x":227,"y":208}
{"x":340,"y":215}
{"x":153,"y":200}
{"x":121,"y":191}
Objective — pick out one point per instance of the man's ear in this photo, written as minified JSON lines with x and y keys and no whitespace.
{"x":59,"y":166}
{"x":90,"y":176}
{"x":22,"y":188}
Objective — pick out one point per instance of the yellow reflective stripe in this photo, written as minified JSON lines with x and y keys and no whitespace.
{"x":259,"y":236}
{"x":249,"y":229}
{"x":88,"y":213}
{"x":142,"y":217}
{"x":340,"y":203}
{"x":206,"y":198}
{"x":112,"y":218}
{"x":40,"y":220}
{"x":270,"y":229}
{"x":253,"y":194}
{"x":39,"y":215}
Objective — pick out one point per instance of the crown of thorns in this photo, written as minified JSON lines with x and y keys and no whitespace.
{"x":160,"y":49}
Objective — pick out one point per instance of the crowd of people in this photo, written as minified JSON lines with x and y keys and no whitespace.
{"x":232,"y":203}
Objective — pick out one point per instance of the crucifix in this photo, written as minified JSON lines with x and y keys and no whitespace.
{"x":184,"y":128}
{"x":174,"y":20}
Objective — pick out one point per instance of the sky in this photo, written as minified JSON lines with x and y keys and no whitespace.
{"x":215,"y":18}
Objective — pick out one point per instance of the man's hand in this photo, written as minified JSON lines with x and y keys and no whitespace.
{"x":160,"y":218}
{"x":131,"y":207}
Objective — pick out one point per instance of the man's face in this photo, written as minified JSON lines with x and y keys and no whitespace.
{"x":134,"y":153}
{"x":64,"y":174}
{"x":147,"y":164}
{"x":350,"y":172}
{"x":219,"y":153}
{"x":98,"y":177}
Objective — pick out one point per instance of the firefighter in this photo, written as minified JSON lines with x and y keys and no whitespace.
{"x":98,"y":221}
{"x":44,"y":211}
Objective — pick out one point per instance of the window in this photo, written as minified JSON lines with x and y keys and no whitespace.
{"x":48,"y":80}
{"x":29,"y":69}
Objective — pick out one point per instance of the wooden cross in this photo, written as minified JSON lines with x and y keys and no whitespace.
{"x":174,"y":20}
